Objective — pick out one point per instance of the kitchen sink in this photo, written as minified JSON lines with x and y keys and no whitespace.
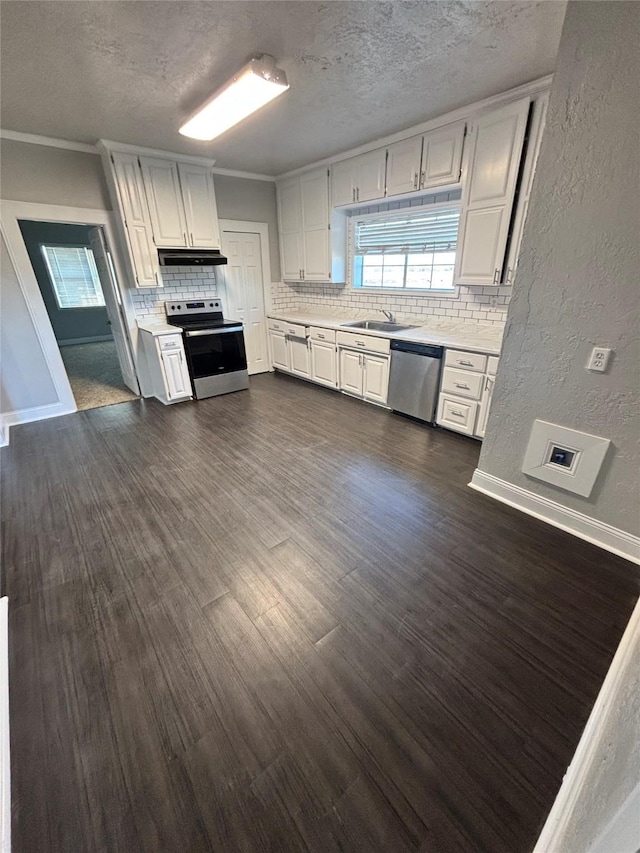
{"x":378,"y":326}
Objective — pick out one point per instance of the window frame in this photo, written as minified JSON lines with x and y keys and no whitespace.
{"x":92,"y":266}
{"x":400,"y":213}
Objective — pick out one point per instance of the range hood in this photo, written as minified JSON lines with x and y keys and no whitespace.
{"x":190,"y":258}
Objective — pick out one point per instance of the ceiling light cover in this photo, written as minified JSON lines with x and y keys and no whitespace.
{"x":251,"y":88}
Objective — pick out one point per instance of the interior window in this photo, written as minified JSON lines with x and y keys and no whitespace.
{"x":412,"y":250}
{"x":74,"y":276}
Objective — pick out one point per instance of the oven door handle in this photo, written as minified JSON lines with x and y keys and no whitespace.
{"x":196,"y":333}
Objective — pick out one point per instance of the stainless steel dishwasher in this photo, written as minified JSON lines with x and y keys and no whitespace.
{"x":414,"y":379}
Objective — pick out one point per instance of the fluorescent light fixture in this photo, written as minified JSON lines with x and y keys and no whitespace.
{"x":251,"y":88}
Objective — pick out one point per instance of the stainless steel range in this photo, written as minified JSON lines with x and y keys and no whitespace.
{"x":214,"y":347}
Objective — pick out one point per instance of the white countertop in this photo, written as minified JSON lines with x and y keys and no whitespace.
{"x":466,"y":336}
{"x":157,"y":327}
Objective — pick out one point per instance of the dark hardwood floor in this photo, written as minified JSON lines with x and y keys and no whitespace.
{"x":280,"y":621}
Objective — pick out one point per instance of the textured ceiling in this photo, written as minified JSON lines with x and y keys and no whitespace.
{"x":131,"y":71}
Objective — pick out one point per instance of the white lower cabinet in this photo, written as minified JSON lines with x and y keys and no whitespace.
{"x":351,"y":372}
{"x":466,"y":388}
{"x":279,"y":349}
{"x":167,"y":366}
{"x":178,"y":384}
{"x":323,"y":362}
{"x":376,"y":378}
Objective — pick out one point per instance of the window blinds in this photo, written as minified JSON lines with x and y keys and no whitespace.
{"x":414,"y":232}
{"x":74,"y":276}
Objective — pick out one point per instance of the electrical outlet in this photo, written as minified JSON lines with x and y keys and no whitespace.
{"x":599,"y":359}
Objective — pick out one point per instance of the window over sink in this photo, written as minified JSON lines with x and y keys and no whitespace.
{"x":413,"y":250}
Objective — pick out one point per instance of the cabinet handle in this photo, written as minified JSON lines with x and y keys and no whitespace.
{"x":457,"y":413}
{"x":415,"y":181}
{"x":184,"y":235}
{"x":353,"y":194}
{"x":321,"y":337}
{"x":303,"y":275}
{"x":359,"y":343}
{"x":358,"y":194}
{"x":461,"y":385}
{"x":423,"y":179}
{"x":155,"y":275}
{"x":509,"y":275}
{"x":192,"y":240}
{"x":465,"y":361}
{"x":496,"y":276}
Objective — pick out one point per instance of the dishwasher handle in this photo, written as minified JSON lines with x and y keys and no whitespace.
{"x":417,"y":349}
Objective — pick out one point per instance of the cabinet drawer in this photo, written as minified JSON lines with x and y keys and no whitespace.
{"x":457,"y":414}
{"x":318,"y":334}
{"x":169,"y":342}
{"x":462,"y":383}
{"x":295,"y":330}
{"x":492,"y":365}
{"x":466,"y":360}
{"x":363,"y":342}
{"x":276,"y":325}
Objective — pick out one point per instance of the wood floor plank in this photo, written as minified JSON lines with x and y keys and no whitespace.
{"x":279,"y":620}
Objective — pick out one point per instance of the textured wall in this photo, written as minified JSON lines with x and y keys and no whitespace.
{"x":44,"y":175}
{"x":577,"y":280}
{"x":25,"y":381}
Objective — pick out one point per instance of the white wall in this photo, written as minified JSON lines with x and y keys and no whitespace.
{"x":577,"y":283}
{"x":25,"y":380}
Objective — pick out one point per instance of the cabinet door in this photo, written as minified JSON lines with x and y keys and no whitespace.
{"x":323,"y":362}
{"x":491,"y":169}
{"x":403,"y":166}
{"x":162,"y":188}
{"x":135,"y":212}
{"x":200,"y":209}
{"x":176,"y":375}
{"x":442,"y":156}
{"x":351,"y":372}
{"x":314,"y":193}
{"x":371,"y":175}
{"x":290,"y":221}
{"x":343,"y":183}
{"x":485,"y":405}
{"x":279,"y":350}
{"x":376,"y":378}
{"x":538,"y":122}
{"x":299,"y":356}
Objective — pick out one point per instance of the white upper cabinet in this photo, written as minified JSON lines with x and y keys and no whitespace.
{"x":201,"y":213}
{"x":290,"y":222}
{"x":162,"y":186}
{"x":538,"y":122}
{"x":490,"y":172}
{"x":132,"y":201}
{"x":359,"y":178}
{"x":442,"y":156}
{"x":314,"y":193}
{"x":403,"y":166}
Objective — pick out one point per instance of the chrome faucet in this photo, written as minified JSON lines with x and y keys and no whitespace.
{"x":389,"y":316}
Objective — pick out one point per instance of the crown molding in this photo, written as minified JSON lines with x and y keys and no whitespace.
{"x":531,"y":89}
{"x":48,"y":141}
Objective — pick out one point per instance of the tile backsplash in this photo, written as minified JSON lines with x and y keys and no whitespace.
{"x":180,"y":283}
{"x":486,"y":305}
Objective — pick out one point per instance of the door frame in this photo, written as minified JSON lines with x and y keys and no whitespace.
{"x":261,"y":228}
{"x":10,"y":214}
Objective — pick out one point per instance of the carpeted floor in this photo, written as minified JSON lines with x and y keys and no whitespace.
{"x":94,"y":374}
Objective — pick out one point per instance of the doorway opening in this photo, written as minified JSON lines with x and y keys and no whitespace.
{"x":77,"y":280}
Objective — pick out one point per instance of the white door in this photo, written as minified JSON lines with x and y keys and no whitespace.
{"x":290,"y":221}
{"x":200,"y":208}
{"x":113,"y":304}
{"x":279,"y":350}
{"x":244,"y":294}
{"x":323,"y":362}
{"x":403,"y":166}
{"x":485,"y":405}
{"x":343,"y":178}
{"x":442,"y":156}
{"x":162,"y":188}
{"x":492,"y":163}
{"x":136,"y":218}
{"x":178,"y":384}
{"x":351,"y":371}
{"x":314,"y":193}
{"x":376,"y":378}
{"x":371,"y":175}
{"x":299,"y":356}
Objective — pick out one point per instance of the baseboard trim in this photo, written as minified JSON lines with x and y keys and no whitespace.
{"x":95,"y":340}
{"x":581,"y":773}
{"x":583,"y":526}
{"x":37,"y":413}
{"x":4,"y":435}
